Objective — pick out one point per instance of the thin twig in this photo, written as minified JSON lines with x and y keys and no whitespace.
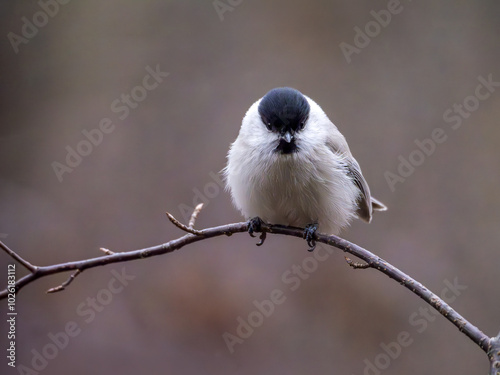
{"x":179,"y":225}
{"x":17,"y":257}
{"x":195,"y":214}
{"x":64,"y":284}
{"x":106,"y":251}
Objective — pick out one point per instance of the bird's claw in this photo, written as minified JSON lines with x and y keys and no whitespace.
{"x":310,"y":234}
{"x":255,"y":225}
{"x":262,"y":239}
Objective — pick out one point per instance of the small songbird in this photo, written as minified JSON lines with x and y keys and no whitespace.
{"x":290,"y":165}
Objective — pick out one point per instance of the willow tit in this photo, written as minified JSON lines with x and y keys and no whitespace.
{"x":290,"y":165}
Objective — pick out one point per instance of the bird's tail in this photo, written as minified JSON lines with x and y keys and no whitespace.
{"x":378,"y":205}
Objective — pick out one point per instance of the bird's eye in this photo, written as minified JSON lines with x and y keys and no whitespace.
{"x":302,"y":123}
{"x":267,"y":123}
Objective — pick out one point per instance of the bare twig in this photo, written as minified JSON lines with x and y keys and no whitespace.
{"x":106,"y":251}
{"x":195,"y":214}
{"x":487,"y":344}
{"x":64,"y":284}
{"x":14,"y":255}
{"x":179,"y":225}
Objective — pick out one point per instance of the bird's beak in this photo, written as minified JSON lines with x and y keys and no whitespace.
{"x":287,"y":137}
{"x":286,"y":143}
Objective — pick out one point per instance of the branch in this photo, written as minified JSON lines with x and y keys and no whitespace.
{"x":14,"y":255}
{"x":64,"y":284}
{"x":490,"y":345}
{"x":494,"y":355}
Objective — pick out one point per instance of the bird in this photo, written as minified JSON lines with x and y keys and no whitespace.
{"x":290,"y":165}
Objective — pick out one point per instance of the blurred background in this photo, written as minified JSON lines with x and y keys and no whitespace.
{"x":70,"y":71}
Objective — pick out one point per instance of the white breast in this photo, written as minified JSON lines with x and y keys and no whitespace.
{"x":296,"y":189}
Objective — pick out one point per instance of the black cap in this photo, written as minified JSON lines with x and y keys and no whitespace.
{"x":284,"y":110}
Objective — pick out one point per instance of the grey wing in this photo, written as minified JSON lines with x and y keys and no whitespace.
{"x":366,"y":203}
{"x":365,"y":200}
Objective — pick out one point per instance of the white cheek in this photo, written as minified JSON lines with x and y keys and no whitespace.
{"x":261,"y":141}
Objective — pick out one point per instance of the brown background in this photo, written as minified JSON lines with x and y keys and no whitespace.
{"x":443,"y":219}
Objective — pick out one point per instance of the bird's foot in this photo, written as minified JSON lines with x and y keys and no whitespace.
{"x":255,"y":225}
{"x":310,"y":234}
